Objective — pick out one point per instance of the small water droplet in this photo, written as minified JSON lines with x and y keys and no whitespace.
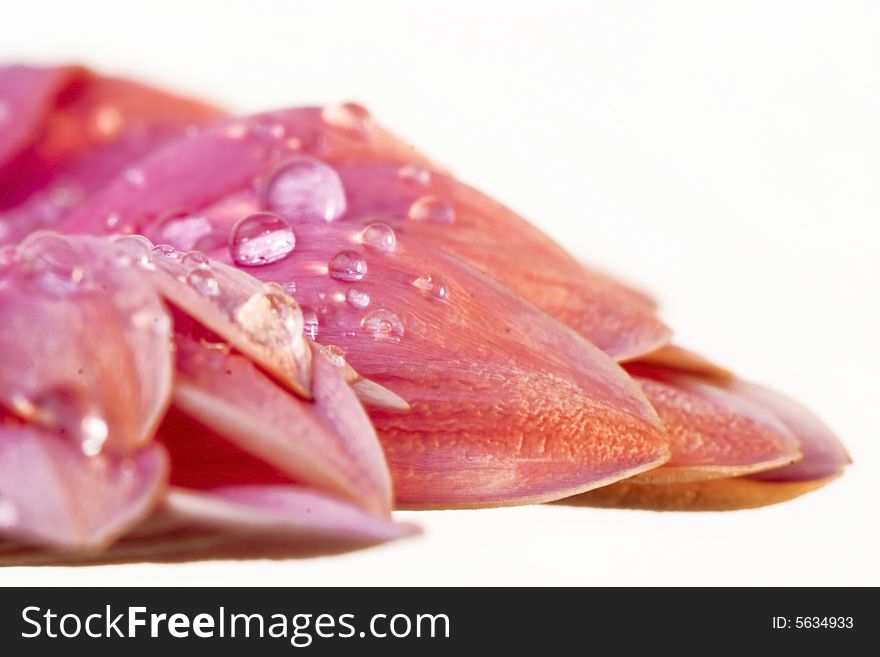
{"x":379,"y":236}
{"x":266,"y":126}
{"x":383,"y":325}
{"x":310,"y":322}
{"x":348,"y":266}
{"x":166,"y":251}
{"x":236,"y":130}
{"x":135,"y":176}
{"x":336,"y":355}
{"x":432,"y":285}
{"x":133,"y":248}
{"x":111,"y":222}
{"x":5,"y":112}
{"x":357,"y":298}
{"x":347,"y":116}
{"x":107,"y":121}
{"x":305,"y":189}
{"x":93,"y":434}
{"x":289,"y":288}
{"x":183,"y":230}
{"x":413,"y":173}
{"x":431,"y":208}
{"x":196,"y":259}
{"x":203,"y":282}
{"x":260,"y":239}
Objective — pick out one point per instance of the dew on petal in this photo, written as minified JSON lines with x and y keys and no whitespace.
{"x":289,"y":288}
{"x":93,"y":434}
{"x":183,"y":229}
{"x":260,"y":239}
{"x":203,"y":282}
{"x":379,"y":236}
{"x":431,"y":208}
{"x":357,"y":298}
{"x":414,"y":174}
{"x":347,"y":116}
{"x":348,"y":266}
{"x":135,"y":176}
{"x":383,"y":325}
{"x":196,"y":259}
{"x":166,"y":251}
{"x":310,"y":322}
{"x":336,"y":355}
{"x":305,"y":189}
{"x":272,"y":318}
{"x":432,"y":285}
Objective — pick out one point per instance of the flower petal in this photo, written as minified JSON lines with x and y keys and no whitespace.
{"x":52,"y":494}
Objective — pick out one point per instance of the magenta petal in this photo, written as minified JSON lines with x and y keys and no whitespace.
{"x":52,"y":494}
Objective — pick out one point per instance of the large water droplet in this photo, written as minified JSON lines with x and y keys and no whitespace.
{"x":305,"y":189}
{"x":310,"y":322}
{"x":357,"y":298}
{"x":347,"y":116}
{"x":348,"y":266}
{"x":414,"y":174}
{"x":260,"y":239}
{"x":272,"y":318}
{"x":383,"y":325}
{"x":432,"y":285}
{"x":431,"y":208}
{"x":57,"y":265}
{"x":203,"y":282}
{"x":379,"y":236}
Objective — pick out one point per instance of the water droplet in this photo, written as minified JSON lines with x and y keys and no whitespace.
{"x":93,"y":434}
{"x":166,"y":251}
{"x":432,"y":285}
{"x":236,"y":131}
{"x":57,"y":265}
{"x":310,"y":322}
{"x":272,"y":318}
{"x":379,"y":236}
{"x":135,"y":176}
{"x":260,"y":239}
{"x":64,"y":410}
{"x":196,"y":259}
{"x":336,"y":355}
{"x":203,"y":282}
{"x":348,"y":266}
{"x":384,"y":325}
{"x":266,"y":126}
{"x":431,"y":208}
{"x":305,"y":189}
{"x":183,"y":230}
{"x":347,"y":116}
{"x":413,"y":173}
{"x":133,"y":248}
{"x":289,"y":288}
{"x":107,"y":121}
{"x":112,"y":221}
{"x":357,"y":298}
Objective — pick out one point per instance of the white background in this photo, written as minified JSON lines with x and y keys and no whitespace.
{"x":724,"y":155}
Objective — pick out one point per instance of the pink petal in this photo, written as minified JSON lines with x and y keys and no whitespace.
{"x":52,"y":494}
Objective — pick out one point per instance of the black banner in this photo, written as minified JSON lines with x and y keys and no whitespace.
{"x":281,"y":621}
